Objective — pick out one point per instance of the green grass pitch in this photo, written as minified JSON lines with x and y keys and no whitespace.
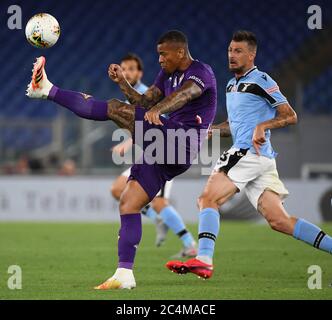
{"x":66,"y":260}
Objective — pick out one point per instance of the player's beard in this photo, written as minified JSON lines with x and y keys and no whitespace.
{"x":236,"y":70}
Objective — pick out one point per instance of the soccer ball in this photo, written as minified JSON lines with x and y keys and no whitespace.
{"x":42,"y":30}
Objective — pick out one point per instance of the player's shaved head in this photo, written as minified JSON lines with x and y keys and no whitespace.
{"x":175,"y":37}
{"x":173,"y":51}
{"x":246,"y":36}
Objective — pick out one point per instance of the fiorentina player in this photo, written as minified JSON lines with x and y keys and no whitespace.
{"x":186,"y":90}
{"x":163,"y":215}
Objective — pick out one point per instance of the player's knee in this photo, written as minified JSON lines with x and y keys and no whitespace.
{"x":159,"y":203}
{"x":115,"y":191}
{"x":206,"y":201}
{"x":126,"y":207}
{"x":281,"y":225}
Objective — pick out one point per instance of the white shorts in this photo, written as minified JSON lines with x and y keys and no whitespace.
{"x":164,"y":192}
{"x":252,"y":173}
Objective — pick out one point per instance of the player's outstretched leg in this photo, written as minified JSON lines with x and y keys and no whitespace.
{"x":83,"y":105}
{"x":40,"y":86}
{"x":270,"y":206}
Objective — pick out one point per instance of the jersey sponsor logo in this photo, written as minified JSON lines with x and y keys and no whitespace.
{"x":198,"y":80}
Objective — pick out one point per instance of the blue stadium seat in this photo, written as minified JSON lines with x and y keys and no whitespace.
{"x":96,"y":33}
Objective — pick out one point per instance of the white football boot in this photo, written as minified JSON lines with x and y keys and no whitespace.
{"x":122,"y":279}
{"x":39,"y":86}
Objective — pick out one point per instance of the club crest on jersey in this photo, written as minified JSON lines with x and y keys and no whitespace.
{"x":231,"y":88}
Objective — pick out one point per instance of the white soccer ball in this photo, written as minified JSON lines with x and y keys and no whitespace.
{"x":42,"y":30}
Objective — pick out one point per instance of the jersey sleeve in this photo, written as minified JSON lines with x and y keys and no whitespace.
{"x":201,"y":76}
{"x":273,"y":93}
{"x":160,"y":80}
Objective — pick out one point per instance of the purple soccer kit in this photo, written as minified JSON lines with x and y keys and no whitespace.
{"x":196,"y":116}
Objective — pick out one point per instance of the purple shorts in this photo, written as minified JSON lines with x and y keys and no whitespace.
{"x":152,"y":177}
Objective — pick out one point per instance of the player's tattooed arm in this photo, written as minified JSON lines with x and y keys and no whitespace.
{"x":285,"y":116}
{"x":152,"y":96}
{"x":223,"y":128}
{"x":189,"y":91}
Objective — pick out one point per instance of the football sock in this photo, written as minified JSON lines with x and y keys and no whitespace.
{"x":174,"y":221}
{"x":149,"y":212}
{"x":82,"y":105}
{"x":130,"y":235}
{"x":208,"y":229}
{"x":312,"y":235}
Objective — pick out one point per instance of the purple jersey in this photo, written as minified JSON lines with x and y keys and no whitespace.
{"x":200,"y":112}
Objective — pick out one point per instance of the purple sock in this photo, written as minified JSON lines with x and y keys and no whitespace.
{"x":83,"y":105}
{"x":129,"y":237}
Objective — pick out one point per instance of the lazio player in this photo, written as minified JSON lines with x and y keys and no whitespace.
{"x":255,"y":105}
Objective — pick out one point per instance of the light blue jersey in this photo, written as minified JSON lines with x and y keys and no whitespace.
{"x":140,"y":87}
{"x":250,"y":100}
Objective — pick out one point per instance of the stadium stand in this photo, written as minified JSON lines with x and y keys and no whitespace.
{"x":95,"y":33}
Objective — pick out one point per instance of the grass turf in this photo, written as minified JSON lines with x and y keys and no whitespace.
{"x":66,"y":260}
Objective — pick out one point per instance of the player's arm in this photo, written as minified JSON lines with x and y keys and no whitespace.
{"x":146,"y":100}
{"x":188,"y":91}
{"x":223,"y":128}
{"x":285,"y":116}
{"x":152,"y":96}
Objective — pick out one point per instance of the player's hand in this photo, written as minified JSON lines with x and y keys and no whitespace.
{"x":152,"y":116}
{"x":115,"y":72}
{"x":258,"y":138}
{"x":123,"y":147}
{"x":119,"y":149}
